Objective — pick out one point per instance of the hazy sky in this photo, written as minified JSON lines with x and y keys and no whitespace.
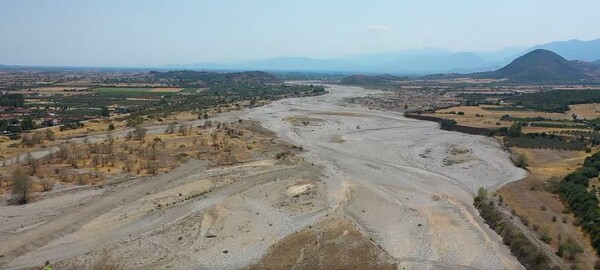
{"x":157,"y":32}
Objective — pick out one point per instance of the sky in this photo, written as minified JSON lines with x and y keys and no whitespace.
{"x":150,"y":33}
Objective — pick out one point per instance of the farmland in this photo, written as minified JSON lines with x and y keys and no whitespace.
{"x":109,"y":90}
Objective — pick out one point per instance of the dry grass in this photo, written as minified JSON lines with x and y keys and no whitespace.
{"x":11,"y":148}
{"x":586,"y":111}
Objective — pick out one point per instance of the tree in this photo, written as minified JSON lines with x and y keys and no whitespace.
{"x":22,"y":186}
{"x":26,"y":140}
{"x":514,"y":130}
{"x":447,"y":124}
{"x":182,"y":130}
{"x":481,"y":196}
{"x":34,"y":165}
{"x":520,"y":160}
{"x":569,"y":250}
{"x":105,"y":112}
{"x":589,"y":172}
{"x":37,"y":137}
{"x":170,"y":128}
{"x":139,"y":133}
{"x":111,"y":126}
{"x":27,"y":123}
{"x":49,"y":134}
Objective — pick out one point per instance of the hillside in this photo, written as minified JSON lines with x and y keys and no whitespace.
{"x":538,"y":66}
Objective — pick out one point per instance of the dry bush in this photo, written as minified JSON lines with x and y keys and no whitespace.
{"x":46,"y":184}
{"x":22,"y":186}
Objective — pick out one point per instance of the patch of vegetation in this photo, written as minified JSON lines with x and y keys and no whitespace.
{"x":520,"y":161}
{"x":447,"y":124}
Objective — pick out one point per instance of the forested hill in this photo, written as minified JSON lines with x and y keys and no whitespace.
{"x":538,"y":66}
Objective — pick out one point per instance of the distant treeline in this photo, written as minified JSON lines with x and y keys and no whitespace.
{"x":548,"y":141}
{"x":187,"y":78}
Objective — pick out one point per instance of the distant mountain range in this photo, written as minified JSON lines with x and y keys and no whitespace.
{"x":537,"y":66}
{"x":412,"y":62}
{"x":408,"y":62}
{"x":588,"y":51}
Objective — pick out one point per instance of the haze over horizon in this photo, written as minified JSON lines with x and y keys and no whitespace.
{"x":157,"y":33}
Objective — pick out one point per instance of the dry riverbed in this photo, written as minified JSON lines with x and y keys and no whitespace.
{"x":372,"y":186}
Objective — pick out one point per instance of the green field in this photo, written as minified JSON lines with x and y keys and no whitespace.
{"x":189,"y":90}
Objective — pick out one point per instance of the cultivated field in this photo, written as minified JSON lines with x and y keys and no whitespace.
{"x":166,"y":90}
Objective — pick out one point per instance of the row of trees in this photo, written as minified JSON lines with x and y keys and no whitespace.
{"x":530,"y":255}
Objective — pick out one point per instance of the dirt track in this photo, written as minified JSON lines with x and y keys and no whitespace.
{"x":404,"y":184}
